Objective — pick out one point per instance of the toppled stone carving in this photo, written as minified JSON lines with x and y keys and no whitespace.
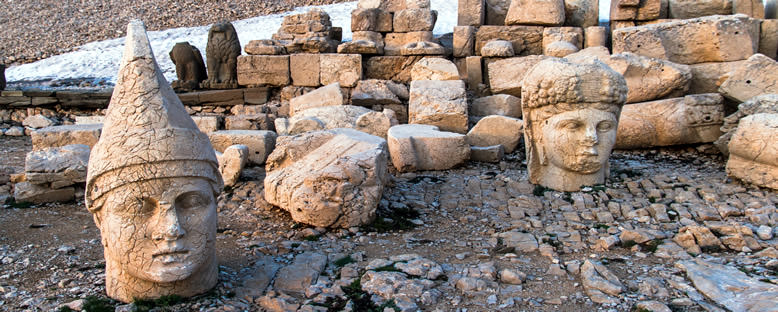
{"x":424,"y":147}
{"x":151,"y":186}
{"x":190,"y":68}
{"x":753,"y":152}
{"x":688,"y":120}
{"x":571,"y":113}
{"x":332,"y":178}
{"x":341,"y":116}
{"x":232,"y":162}
{"x":496,"y":130}
{"x":222,"y":54}
{"x":763,"y":104}
{"x":649,"y":78}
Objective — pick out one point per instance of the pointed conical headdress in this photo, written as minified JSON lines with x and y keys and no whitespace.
{"x":147,"y":134}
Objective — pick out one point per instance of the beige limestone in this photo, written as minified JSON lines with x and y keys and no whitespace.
{"x":489,"y":154}
{"x":207,"y":124}
{"x":595,"y":36}
{"x":699,"y":40}
{"x":363,"y":42}
{"x":333,"y":117}
{"x":264,"y":47}
{"x":496,"y":10}
{"x":331,"y":178}
{"x":345,"y":69}
{"x":527,"y":40}
{"x":153,"y":177}
{"x":304,"y":69}
{"x":768,"y":38}
{"x":376,"y":92}
{"x":425,"y":147}
{"x":434,"y":68}
{"x":395,"y":68}
{"x":755,"y":77}
{"x":325,"y":96}
{"x":371,"y":20}
{"x":763,"y":104}
{"x":589,"y":55}
{"x":422,"y":48}
{"x":394,"y":42}
{"x":571,"y":113}
{"x":259,"y":142}
{"x":471,"y":12}
{"x":475,"y":72}
{"x":57,"y":167}
{"x":684,"y":9}
{"x":623,"y":10}
{"x":439,"y":103}
{"x":232,"y":162}
{"x":498,"y":48}
{"x":753,"y":153}
{"x":708,"y":77}
{"x":500,"y":104}
{"x":248,"y":122}
{"x":582,"y":13}
{"x":26,"y":192}
{"x":497,"y":130}
{"x":688,"y":120}
{"x":411,"y":20}
{"x":263,"y":70}
{"x":464,"y":41}
{"x":649,"y":78}
{"x":385,"y":5}
{"x":536,"y":12}
{"x":506,"y":76}
{"x":562,"y":41}
{"x":752,"y":8}
{"x":65,"y":135}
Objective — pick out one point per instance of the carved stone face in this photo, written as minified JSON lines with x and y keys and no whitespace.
{"x":160,"y":230}
{"x":579,"y":141}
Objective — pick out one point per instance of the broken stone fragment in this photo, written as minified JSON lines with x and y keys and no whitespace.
{"x":489,"y":154}
{"x":471,"y":12}
{"x":376,"y":92}
{"x":329,"y":95}
{"x":57,"y":136}
{"x":424,"y":147}
{"x":26,"y":192}
{"x":729,"y":287}
{"x":685,"y":9}
{"x":500,"y":104}
{"x":332,"y":178}
{"x":763,"y":104}
{"x":264,"y":47}
{"x":295,"y":278}
{"x":526,"y":40}
{"x":434,"y":68}
{"x":497,"y":130}
{"x":57,"y":166}
{"x":753,"y":153}
{"x":439,"y":103}
{"x":707,"y":77}
{"x":304,"y":69}
{"x":249,"y":122}
{"x":411,"y":20}
{"x":332,"y":117}
{"x":599,"y":282}
{"x":345,"y":69}
{"x":422,"y":48}
{"x":755,"y":77}
{"x":506,"y":76}
{"x":536,"y":12}
{"x":38,"y":121}
{"x":498,"y":48}
{"x":232,"y":162}
{"x":259,"y":142}
{"x":562,"y":41}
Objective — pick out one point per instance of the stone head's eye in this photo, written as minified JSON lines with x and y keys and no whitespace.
{"x":191,"y":200}
{"x":147,"y":205}
{"x":605,"y":126}
{"x":570,"y":125}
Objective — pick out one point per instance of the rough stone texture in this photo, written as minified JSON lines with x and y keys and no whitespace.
{"x":363,"y":42}
{"x":464,"y":41}
{"x":57,"y":167}
{"x":595,"y":36}
{"x":527,"y":40}
{"x":332,"y":117}
{"x":259,"y":142}
{"x":371,"y":20}
{"x":489,"y":154}
{"x":471,"y":12}
{"x":768,"y":38}
{"x":375,"y":92}
{"x":345,"y":69}
{"x":395,"y":68}
{"x":26,"y":192}
{"x":424,"y":147}
{"x":700,"y":40}
{"x":599,"y":282}
{"x":295,"y":279}
{"x":755,"y":77}
{"x":248,"y":122}
{"x":571,"y":116}
{"x":562,"y":41}
{"x":329,"y":178}
{"x":434,"y":68}
{"x":500,"y":104}
{"x":65,"y":135}
{"x":648,"y":78}
{"x":264,"y":47}
{"x":707,"y":77}
{"x":190,"y":68}
{"x":498,"y":48}
{"x":685,"y":9}
{"x":325,"y":96}
{"x":729,"y":287}
{"x":221,"y":55}
{"x":309,"y":32}
{"x":231,"y":163}
{"x":496,"y":10}
{"x":439,"y":103}
{"x":507,"y":76}
{"x":207,"y":124}
{"x":752,"y":8}
{"x":151,"y":177}
{"x":422,"y":48}
{"x":763,"y":104}
{"x":395,"y":42}
{"x":582,"y":13}
{"x":753,"y":154}
{"x":385,"y":5}
{"x":497,"y":130}
{"x":688,"y":120}
{"x":475,"y":72}
{"x":38,"y":121}
{"x":263,"y":70}
{"x":414,"y":20}
{"x":304,"y":69}
{"x":536,"y":12}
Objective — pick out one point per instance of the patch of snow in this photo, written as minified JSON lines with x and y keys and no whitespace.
{"x":100,"y":60}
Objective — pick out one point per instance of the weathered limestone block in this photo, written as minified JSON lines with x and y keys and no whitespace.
{"x":595,"y":36}
{"x":328,"y":95}
{"x":475,"y":72}
{"x":190,"y":68}
{"x":527,"y":40}
{"x":153,"y":176}
{"x":371,"y":20}
{"x":763,"y":104}
{"x":363,"y":42}
{"x":296,"y":278}
{"x":471,"y":12}
{"x":753,"y":153}
{"x":729,"y":287}
{"x":329,"y":178}
{"x":65,"y":135}
{"x":434,"y":68}
{"x":385,"y":5}
{"x":571,"y":113}
{"x":688,"y":120}
{"x":707,"y":77}
{"x":422,"y":48}
{"x":464,"y":41}
{"x":582,"y":13}
{"x":394,"y":42}
{"x":425,"y":147}
{"x":264,"y":47}
{"x":411,"y":20}
{"x":506,"y":76}
{"x":57,"y":167}
{"x":500,"y":104}
{"x":752,"y":8}
{"x":222,"y":54}
{"x":26,"y":192}
{"x":38,"y":121}
{"x":375,"y":92}
{"x":304,"y":69}
{"x":269,"y":70}
{"x":395,"y":68}
{"x":700,"y":40}
{"x":259,"y":142}
{"x":562,"y":41}
{"x":232,"y":162}
{"x":345,"y":69}
{"x":755,"y":77}
{"x":496,"y":11}
{"x":206,"y":124}
{"x":649,"y":78}
{"x":536,"y":12}
{"x":439,"y":103}
{"x":685,"y":9}
{"x":488,"y":154}
{"x":248,"y":122}
{"x":768,"y":38}
{"x":498,"y":48}
{"x":623,"y":10}
{"x":333,"y":117}
{"x":497,"y":130}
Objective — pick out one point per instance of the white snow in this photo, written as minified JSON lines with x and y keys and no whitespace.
{"x":100,"y":60}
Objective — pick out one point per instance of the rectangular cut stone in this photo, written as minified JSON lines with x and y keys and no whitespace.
{"x":755,"y":77}
{"x":507,"y":75}
{"x":305,"y":69}
{"x":220,"y":96}
{"x":752,"y":8}
{"x":345,"y":69}
{"x":685,"y":9}
{"x":526,"y":40}
{"x":475,"y":75}
{"x":268,"y":70}
{"x":582,"y":13}
{"x":43,"y":100}
{"x":706,"y":39}
{"x":573,"y":35}
{"x":768,"y":38}
{"x":255,"y":96}
{"x":464,"y":41}
{"x":393,"y":42}
{"x":496,"y":11}
{"x":386,"y":5}
{"x":439,"y":103}
{"x":595,"y":36}
{"x":536,"y":12}
{"x":15,"y":100}
{"x":395,"y":68}
{"x":621,"y":12}
{"x":414,"y":20}
{"x":707,"y":77}
{"x":364,"y":19}
{"x":329,"y":95}
{"x":249,"y":122}
{"x":58,"y":136}
{"x":471,"y":12}
{"x":207,"y":124}
{"x":259,"y":142}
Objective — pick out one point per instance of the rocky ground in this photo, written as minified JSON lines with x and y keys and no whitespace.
{"x":34,"y":30}
{"x":477,"y":238}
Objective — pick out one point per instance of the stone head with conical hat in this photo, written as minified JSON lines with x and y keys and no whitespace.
{"x":571,"y":113}
{"x":152,"y":185}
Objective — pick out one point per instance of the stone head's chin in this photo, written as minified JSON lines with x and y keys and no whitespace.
{"x":586,"y":165}
{"x":176,"y":270}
